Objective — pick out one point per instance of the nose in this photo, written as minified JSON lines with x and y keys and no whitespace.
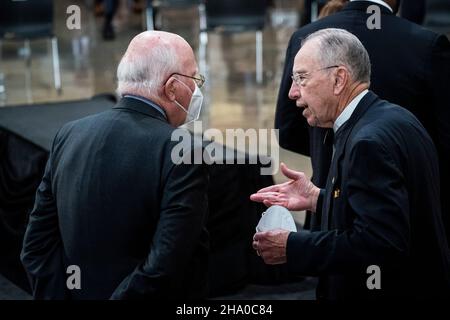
{"x":294,"y":91}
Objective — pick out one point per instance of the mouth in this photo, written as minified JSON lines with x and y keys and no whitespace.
{"x":306,"y":112}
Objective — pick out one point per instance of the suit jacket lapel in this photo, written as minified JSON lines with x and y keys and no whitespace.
{"x":341,"y":138}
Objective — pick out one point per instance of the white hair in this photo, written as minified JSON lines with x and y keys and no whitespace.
{"x":144,"y":71}
{"x":340,"y":47}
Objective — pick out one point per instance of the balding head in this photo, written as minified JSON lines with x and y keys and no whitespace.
{"x":151,"y":57}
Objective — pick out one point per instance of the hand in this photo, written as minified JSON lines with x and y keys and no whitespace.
{"x":298,"y":194}
{"x":271,"y":245}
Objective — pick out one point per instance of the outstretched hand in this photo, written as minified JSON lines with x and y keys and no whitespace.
{"x":298,"y":194}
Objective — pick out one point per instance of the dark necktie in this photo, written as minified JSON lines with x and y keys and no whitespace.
{"x":330,"y":190}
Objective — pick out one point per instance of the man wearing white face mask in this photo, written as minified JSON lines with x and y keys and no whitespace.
{"x":126,"y":215}
{"x":195,"y":105}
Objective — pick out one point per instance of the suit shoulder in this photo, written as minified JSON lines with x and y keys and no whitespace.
{"x":133,"y":126}
{"x":386,"y":111}
{"x":386,"y":122}
{"x":396,"y":27}
{"x":80,"y":123}
{"x":415,"y":34}
{"x":334,"y":20}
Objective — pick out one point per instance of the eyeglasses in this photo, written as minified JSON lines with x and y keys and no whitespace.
{"x":299,"y":78}
{"x":199,"y":79}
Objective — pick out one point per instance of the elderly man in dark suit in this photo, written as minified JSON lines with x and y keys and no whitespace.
{"x":113,"y":203}
{"x":410,"y":67}
{"x":380,"y":207}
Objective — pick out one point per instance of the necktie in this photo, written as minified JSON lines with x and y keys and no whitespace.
{"x":331,"y":180}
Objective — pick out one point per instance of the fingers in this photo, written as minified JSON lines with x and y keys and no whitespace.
{"x":257,"y":197}
{"x":255,"y":243}
{"x":267,"y":203}
{"x":267,"y":196}
{"x":258,"y":236}
{"x":261,"y":195}
{"x":291,"y":174}
{"x":258,"y":243}
{"x":265,"y":247}
{"x":273,"y":188}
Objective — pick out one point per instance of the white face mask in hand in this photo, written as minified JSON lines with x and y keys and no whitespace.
{"x":276,"y":217}
{"x":195,"y":105}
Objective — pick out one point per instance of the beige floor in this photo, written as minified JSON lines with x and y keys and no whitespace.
{"x":232,"y":97}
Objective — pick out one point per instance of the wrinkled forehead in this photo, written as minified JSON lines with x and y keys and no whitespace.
{"x":307,"y":58}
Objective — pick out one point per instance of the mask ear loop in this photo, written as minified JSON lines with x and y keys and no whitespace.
{"x":179,"y":104}
{"x":193,"y":95}
{"x":184,"y":84}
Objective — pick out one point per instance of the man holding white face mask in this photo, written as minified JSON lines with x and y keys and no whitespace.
{"x":112,"y":202}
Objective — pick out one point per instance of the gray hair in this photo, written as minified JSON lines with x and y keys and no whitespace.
{"x":340,"y":47}
{"x":143,"y":71}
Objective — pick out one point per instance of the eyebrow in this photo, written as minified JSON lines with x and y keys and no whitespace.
{"x":300,"y":72}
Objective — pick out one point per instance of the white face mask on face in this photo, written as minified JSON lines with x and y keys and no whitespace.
{"x":195,"y":105}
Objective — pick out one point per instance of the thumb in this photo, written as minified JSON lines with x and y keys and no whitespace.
{"x":259,"y":236}
{"x":291,"y":174}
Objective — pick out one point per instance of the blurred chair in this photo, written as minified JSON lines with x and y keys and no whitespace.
{"x":25,"y":20}
{"x":316,"y":6}
{"x":234,"y":16}
{"x":310,"y":11}
{"x":154,"y":5}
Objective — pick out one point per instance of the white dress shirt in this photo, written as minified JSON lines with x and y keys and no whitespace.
{"x":380,"y":2}
{"x":348,"y":111}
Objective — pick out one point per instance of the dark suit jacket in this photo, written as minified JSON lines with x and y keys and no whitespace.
{"x":380,"y":207}
{"x":410,"y":67}
{"x":413,"y":11}
{"x":113,"y":203}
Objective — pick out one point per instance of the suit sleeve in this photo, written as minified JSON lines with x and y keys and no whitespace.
{"x":42,"y":251}
{"x":379,"y":234}
{"x":184,"y":208}
{"x":293,"y":128}
{"x":440,"y":86}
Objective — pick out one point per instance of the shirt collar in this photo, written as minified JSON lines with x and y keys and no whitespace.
{"x":146,"y":101}
{"x":380,"y":2}
{"x":348,"y":111}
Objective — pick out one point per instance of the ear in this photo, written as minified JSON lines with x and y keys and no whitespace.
{"x":340,"y":80}
{"x":170,"y":89}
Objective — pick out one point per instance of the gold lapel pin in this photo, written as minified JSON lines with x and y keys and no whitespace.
{"x":337,"y":193}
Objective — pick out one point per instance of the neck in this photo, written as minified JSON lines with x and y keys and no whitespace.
{"x":389,"y":3}
{"x":350,"y":94}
